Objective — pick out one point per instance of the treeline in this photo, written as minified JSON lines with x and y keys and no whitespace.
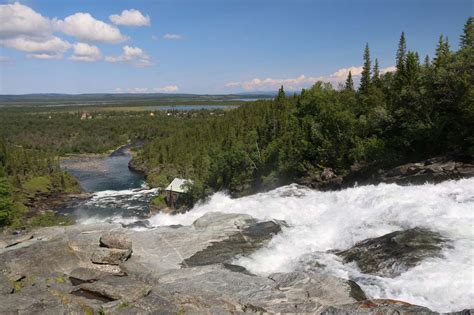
{"x":422,"y":109}
{"x":24,"y":174}
{"x":32,"y":140}
{"x":99,"y":131}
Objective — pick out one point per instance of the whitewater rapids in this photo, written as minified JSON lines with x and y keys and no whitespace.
{"x":323,"y":221}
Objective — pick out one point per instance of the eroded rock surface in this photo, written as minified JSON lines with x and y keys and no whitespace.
{"x":394,"y":253}
{"x":179,"y":269}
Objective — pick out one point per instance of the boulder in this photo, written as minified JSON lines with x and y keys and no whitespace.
{"x":245,"y":242}
{"x":116,"y":288}
{"x":115,"y":240}
{"x":391,"y":254}
{"x":216,"y":220}
{"x":110,"y":256}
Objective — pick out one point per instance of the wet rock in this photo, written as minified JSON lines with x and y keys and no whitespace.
{"x":432,"y":170}
{"x":137,"y":224}
{"x":214,"y":220}
{"x":377,"y":307}
{"x":394,"y":253}
{"x":245,"y":242}
{"x":115,"y":240}
{"x":110,"y":256}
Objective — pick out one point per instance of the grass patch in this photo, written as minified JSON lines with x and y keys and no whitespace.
{"x":40,"y":184}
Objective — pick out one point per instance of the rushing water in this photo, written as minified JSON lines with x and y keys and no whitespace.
{"x":117,"y":192}
{"x":320,"y":222}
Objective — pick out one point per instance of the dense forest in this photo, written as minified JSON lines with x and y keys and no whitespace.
{"x":424,"y":108}
{"x":32,"y":140}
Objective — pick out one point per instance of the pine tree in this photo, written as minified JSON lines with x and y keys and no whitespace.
{"x":365,"y":78}
{"x":426,"y":63}
{"x":281,"y":94}
{"x":349,"y":82}
{"x":376,"y":73}
{"x":442,"y":52}
{"x":467,"y":37}
{"x":401,"y":54}
{"x":412,"y":68}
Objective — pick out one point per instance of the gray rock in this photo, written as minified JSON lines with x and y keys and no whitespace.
{"x":110,"y":256}
{"x":117,"y":288}
{"x":115,"y":240}
{"x":219,"y":221}
{"x":297,"y":292}
{"x":245,"y":242}
{"x":394,"y":253}
{"x":82,"y":275}
{"x":153,"y":281}
{"x":377,"y":307}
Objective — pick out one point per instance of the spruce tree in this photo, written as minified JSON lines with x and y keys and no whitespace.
{"x":467,"y":37}
{"x":281,"y":94}
{"x":426,"y":63}
{"x":442,"y":52}
{"x":349,"y":82}
{"x":401,"y":54}
{"x":376,"y":73}
{"x":365,"y":78}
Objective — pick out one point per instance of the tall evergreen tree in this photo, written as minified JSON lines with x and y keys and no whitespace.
{"x":467,"y":37}
{"x":426,"y":63}
{"x":281,"y":94}
{"x":349,"y":82}
{"x":401,"y":54}
{"x":367,"y":68}
{"x":442,"y":52}
{"x":376,"y":73}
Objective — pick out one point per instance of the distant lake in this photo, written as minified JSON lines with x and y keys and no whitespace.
{"x":190,"y":107}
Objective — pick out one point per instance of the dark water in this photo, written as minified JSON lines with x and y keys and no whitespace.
{"x":104,"y":173}
{"x":117,"y":192}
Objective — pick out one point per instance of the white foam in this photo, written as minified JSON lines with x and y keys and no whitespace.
{"x":321,"y":221}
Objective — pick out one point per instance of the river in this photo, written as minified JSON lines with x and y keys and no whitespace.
{"x":319,"y":222}
{"x":117,"y":192}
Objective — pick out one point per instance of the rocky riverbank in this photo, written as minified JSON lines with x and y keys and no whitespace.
{"x":178,"y":270}
{"x":434,"y":170}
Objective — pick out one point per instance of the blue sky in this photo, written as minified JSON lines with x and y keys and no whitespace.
{"x":218,"y":46}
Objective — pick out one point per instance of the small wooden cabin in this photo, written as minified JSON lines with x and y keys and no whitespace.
{"x":175,"y":189}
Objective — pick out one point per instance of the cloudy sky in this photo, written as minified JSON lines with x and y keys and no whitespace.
{"x":208,"y":46}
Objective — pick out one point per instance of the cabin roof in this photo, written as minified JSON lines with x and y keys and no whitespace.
{"x":179,"y":185}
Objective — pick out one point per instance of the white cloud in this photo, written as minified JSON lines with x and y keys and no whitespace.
{"x":53,"y":46}
{"x":300,"y":82}
{"x":173,"y":36}
{"x":86,"y":52}
{"x":271,"y":84}
{"x":17,"y":19}
{"x":85,"y":27}
{"x":344,"y":72}
{"x":45,"y":56}
{"x":388,"y":69}
{"x":130,"y":17}
{"x":133,"y":55}
{"x":167,"y":89}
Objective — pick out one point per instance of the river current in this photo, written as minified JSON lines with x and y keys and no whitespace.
{"x":319,"y":222}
